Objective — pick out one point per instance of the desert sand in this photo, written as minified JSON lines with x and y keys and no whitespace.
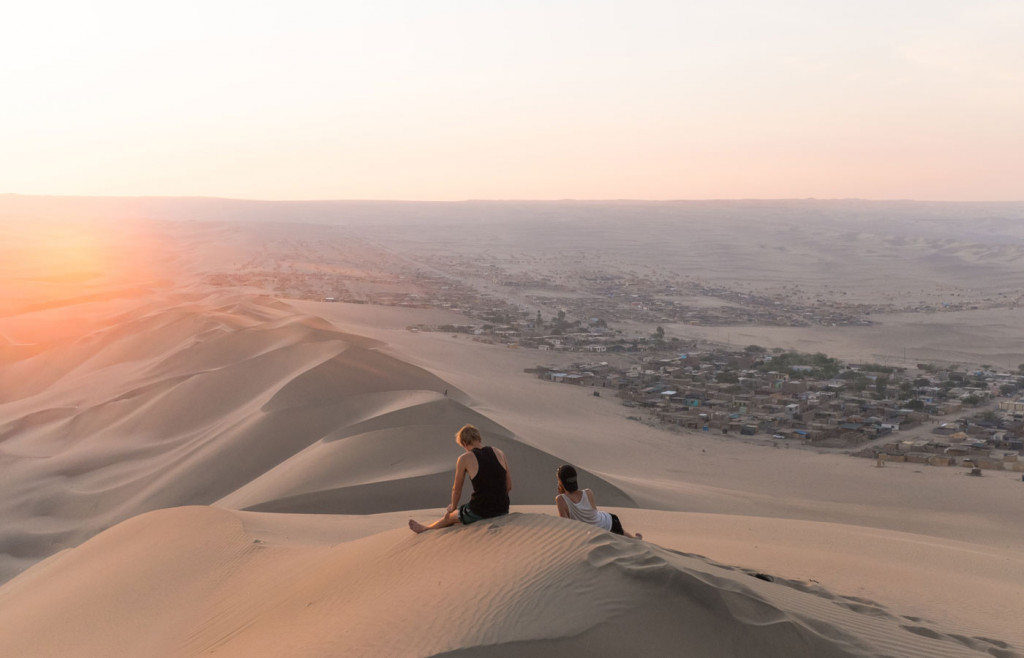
{"x":199,"y":580}
{"x":192,"y":469}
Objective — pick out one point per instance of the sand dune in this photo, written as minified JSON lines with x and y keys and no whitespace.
{"x":192,"y":581}
{"x":381,"y":463}
{"x":226,"y":398}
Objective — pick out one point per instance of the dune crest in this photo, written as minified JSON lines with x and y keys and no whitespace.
{"x":226,"y":397}
{"x":189,"y":581}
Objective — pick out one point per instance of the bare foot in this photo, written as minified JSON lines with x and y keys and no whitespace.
{"x":416,"y":526}
{"x":638,"y":535}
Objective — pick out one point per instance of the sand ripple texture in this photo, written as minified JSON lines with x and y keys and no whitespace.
{"x":203,"y":580}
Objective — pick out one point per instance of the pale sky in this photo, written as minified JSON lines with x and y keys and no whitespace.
{"x":519,"y":99}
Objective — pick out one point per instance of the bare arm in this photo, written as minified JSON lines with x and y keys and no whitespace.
{"x":460,"y":478}
{"x":563,"y":509}
{"x":590,"y":497}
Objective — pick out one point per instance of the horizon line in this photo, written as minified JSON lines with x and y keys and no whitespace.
{"x":507,"y":200}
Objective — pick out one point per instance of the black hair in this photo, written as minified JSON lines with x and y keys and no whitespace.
{"x":567,"y":476}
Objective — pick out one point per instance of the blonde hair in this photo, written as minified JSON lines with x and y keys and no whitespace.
{"x":468,"y":435}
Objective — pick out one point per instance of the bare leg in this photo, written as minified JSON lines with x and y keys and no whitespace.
{"x":449,"y":519}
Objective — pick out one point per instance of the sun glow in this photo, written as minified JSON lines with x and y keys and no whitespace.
{"x":60,"y":254}
{"x":50,"y":272}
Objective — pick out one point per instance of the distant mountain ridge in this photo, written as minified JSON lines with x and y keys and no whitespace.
{"x":27,"y":207}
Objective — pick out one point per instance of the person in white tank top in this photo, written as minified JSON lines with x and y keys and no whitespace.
{"x":574,"y":503}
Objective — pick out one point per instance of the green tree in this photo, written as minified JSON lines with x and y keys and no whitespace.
{"x":727,"y":377}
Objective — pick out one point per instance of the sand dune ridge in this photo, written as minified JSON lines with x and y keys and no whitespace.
{"x":228,"y":398}
{"x":524,"y":583}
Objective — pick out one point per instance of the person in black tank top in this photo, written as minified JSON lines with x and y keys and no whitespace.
{"x":490,"y":492}
{"x":488,"y":471}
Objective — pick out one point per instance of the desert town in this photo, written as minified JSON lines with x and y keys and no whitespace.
{"x":814,"y":401}
{"x":928,"y":413}
{"x":973,"y":419}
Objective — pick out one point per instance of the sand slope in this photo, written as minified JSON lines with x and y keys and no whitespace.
{"x":194,"y":399}
{"x":191,"y":581}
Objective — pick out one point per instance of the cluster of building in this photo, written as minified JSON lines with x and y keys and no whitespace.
{"x":989,"y":440}
{"x":819,"y":402}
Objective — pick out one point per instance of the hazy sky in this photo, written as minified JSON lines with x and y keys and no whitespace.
{"x":433,"y":99}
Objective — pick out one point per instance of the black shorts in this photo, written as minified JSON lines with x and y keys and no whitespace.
{"x":617,"y":525}
{"x":467,"y":516}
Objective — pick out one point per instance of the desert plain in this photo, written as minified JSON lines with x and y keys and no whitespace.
{"x":201,"y":456}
